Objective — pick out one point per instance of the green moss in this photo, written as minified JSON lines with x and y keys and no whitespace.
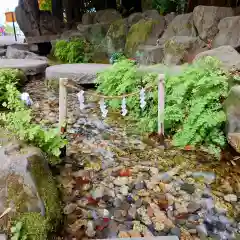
{"x":36,"y":226}
{"x":138,"y":34}
{"x":117,"y":29}
{"x":174,"y":48}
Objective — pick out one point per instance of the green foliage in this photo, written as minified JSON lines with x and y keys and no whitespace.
{"x":8,"y":76}
{"x":167,"y":6}
{"x":117,"y":56}
{"x":16,"y":232}
{"x":74,"y":51}
{"x":19,"y":121}
{"x":193,"y":112}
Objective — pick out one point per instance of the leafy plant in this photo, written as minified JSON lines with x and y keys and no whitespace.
{"x":74,"y":51}
{"x":16,"y":232}
{"x":117,"y":56}
{"x":193,"y":112}
{"x":19,"y":121}
{"x":167,"y":6}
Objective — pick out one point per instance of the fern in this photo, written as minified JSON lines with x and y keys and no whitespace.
{"x":193,"y":113}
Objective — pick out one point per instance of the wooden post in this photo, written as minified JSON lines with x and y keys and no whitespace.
{"x":161,"y":103}
{"x":63,"y":109}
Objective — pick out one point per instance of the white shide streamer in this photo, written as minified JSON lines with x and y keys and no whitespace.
{"x":142,"y":98}
{"x":26,"y":99}
{"x":103,"y":108}
{"x":124,"y":107}
{"x":81,"y":100}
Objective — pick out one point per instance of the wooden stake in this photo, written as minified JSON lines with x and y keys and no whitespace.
{"x":63,"y":109}
{"x":161,"y":103}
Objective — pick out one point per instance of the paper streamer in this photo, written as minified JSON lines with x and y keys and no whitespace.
{"x":81,"y":99}
{"x":26,"y":98}
{"x":124,"y":107}
{"x":103,"y":108}
{"x":142,"y":98}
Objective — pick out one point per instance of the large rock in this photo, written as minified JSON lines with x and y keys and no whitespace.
{"x":116,"y":36}
{"x":87,"y":18}
{"x":181,"y":25}
{"x":152,"y":14}
{"x":106,"y":16}
{"x":28,"y":188}
{"x":232,"y":108}
{"x":206,"y":19}
{"x":143,"y":32}
{"x":176,"y":49}
{"x":226,"y":54}
{"x":229,"y":32}
{"x":79,"y":73}
{"x":28,"y":66}
{"x":148,"y":55}
{"x":169,"y":17}
{"x":134,"y":18}
{"x":13,"y":53}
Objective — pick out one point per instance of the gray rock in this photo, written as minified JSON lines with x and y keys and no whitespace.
{"x":229,"y":32}
{"x":2,"y":52}
{"x":202,"y":230}
{"x":106,"y":16}
{"x":120,"y":181}
{"x":132,"y":211}
{"x":169,"y":17}
{"x":153,"y":14}
{"x":193,"y":207}
{"x":148,"y":55}
{"x":189,"y":188}
{"x":176,"y":231}
{"x":13,"y":53}
{"x":134,"y":18}
{"x":226,"y":54}
{"x":79,"y":73}
{"x":69,"y":208}
{"x":28,"y":66}
{"x":87,"y":18}
{"x":181,"y":25}
{"x":206,"y":19}
{"x":98,"y":192}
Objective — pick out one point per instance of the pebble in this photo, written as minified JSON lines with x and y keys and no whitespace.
{"x":189,"y":188}
{"x":124,"y":190}
{"x":193,"y":207}
{"x":69,"y":208}
{"x":176,"y":232}
{"x":120,"y":181}
{"x":202,"y":230}
{"x":90,"y":232}
{"x":230,"y":198}
{"x":123,"y":234}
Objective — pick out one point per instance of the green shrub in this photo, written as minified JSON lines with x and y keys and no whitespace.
{"x":167,"y":6}
{"x":74,"y":51}
{"x":9,"y":76}
{"x":19,"y":121}
{"x":193,"y":112}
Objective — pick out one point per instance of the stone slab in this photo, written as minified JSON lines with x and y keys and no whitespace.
{"x":83,"y":73}
{"x":28,"y":66}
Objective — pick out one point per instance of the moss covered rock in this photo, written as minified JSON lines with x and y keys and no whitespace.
{"x":138,"y":34}
{"x":28,"y":188}
{"x":116,"y":36}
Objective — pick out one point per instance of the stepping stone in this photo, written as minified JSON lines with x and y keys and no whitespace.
{"x":80,"y":73}
{"x":28,"y":66}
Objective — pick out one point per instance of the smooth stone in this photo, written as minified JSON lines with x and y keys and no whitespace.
{"x":176,"y":231}
{"x":189,"y":188}
{"x":193,"y":207}
{"x":230,"y":198}
{"x":202,"y":230}
{"x":120,"y":181}
{"x":69,"y":208}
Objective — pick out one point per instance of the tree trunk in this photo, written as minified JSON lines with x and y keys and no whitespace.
{"x":57,"y":9}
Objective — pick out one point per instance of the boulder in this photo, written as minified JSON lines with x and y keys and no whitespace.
{"x":2,"y":52}
{"x":106,"y":16}
{"x":49,"y":25}
{"x":28,"y":188}
{"x":152,"y":14}
{"x":206,"y":19}
{"x":229,"y":32}
{"x":13,"y":53}
{"x":87,"y":18}
{"x":169,"y":17}
{"x":176,"y":48}
{"x":148,"y":55}
{"x":79,"y":73}
{"x":116,"y":36}
{"x":229,"y":57}
{"x":232,"y":109}
{"x":143,"y":32}
{"x":181,"y":25}
{"x":134,"y":18}
{"x":28,"y":66}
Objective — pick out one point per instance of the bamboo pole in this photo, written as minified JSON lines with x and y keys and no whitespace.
{"x":161,"y":103}
{"x":63,"y":109}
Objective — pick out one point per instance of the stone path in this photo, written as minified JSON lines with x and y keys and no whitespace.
{"x":28,"y":66}
{"x":115,"y":185}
